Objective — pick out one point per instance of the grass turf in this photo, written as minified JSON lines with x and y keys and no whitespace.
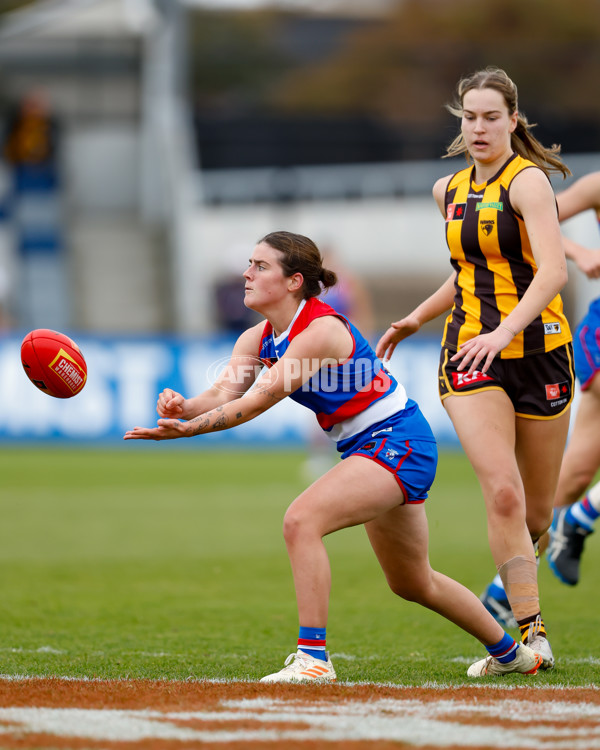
{"x":162,"y":564}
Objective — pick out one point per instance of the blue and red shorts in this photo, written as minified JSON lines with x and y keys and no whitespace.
{"x":405,"y":446}
{"x":586,"y":346}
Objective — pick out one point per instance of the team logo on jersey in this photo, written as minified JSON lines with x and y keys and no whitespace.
{"x":556,"y":391}
{"x":550,"y":328}
{"x":456,"y":211}
{"x":497,"y":206}
{"x":463,"y":379}
{"x":487,"y":226}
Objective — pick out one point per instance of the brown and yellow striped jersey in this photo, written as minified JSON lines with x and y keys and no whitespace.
{"x":491,"y":254}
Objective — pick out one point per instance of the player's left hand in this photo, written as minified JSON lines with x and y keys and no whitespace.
{"x":166,"y":429}
{"x":481,"y":350}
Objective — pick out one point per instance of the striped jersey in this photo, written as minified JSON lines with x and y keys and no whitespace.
{"x":491,"y":254}
{"x":347,"y":398}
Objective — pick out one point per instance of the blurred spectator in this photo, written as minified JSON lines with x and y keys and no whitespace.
{"x":31,"y":133}
{"x":349,"y":296}
{"x":30,"y":148}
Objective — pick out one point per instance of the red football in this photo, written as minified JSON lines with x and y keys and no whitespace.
{"x":53,"y":363}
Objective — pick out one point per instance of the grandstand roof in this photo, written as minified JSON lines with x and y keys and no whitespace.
{"x":49,"y":19}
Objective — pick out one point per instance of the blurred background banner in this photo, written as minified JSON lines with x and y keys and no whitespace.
{"x":146,"y":145}
{"x":125,"y":375}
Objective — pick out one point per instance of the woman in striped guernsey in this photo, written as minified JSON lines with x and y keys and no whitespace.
{"x":318,"y":358}
{"x":506,"y":367}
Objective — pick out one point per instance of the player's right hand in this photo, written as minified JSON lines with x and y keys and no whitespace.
{"x":588,"y":261}
{"x":170,"y":404}
{"x":398,"y":331}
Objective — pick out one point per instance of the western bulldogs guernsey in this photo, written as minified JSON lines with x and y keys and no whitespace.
{"x":348,"y":398}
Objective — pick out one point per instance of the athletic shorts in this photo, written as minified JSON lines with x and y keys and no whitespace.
{"x":586,"y":346}
{"x":405,"y":446}
{"x":540,"y":386}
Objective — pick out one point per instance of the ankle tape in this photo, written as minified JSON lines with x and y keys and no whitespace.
{"x":519,"y":576}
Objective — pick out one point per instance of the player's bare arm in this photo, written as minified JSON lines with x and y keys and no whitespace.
{"x":582,"y":195}
{"x":234,"y":380}
{"x":325,"y":341}
{"x":436,"y":304}
{"x":532,"y":196}
{"x":439,"y":193}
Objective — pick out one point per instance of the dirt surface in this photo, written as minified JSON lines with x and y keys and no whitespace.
{"x":146,"y":715}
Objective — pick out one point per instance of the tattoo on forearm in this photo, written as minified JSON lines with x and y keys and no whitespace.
{"x":270,"y":393}
{"x":199,"y":423}
{"x":220,"y":422}
{"x":238,"y":415}
{"x":204,"y":421}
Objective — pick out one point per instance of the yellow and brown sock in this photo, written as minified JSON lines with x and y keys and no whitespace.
{"x":533,"y":625}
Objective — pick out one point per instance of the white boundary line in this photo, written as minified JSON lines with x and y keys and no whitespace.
{"x":429,"y":685}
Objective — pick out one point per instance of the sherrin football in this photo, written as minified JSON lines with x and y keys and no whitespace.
{"x":54,"y":363}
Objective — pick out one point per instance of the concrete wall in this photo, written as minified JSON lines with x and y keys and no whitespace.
{"x":396,"y":245}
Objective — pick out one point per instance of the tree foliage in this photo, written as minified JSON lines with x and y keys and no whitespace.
{"x":404,"y":68}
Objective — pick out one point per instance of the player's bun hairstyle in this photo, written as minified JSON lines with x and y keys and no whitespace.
{"x":301,"y":255}
{"x":522,"y":140}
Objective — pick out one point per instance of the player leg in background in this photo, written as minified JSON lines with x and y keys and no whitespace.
{"x":518,"y":482}
{"x":400,"y":539}
{"x":574,"y":515}
{"x":358,"y":491}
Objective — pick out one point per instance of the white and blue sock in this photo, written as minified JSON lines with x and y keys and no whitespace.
{"x":505,"y":650}
{"x":313,"y":641}
{"x":582,"y":513}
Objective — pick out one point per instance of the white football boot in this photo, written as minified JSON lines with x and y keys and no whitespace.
{"x":539,"y":644}
{"x":302,"y":667}
{"x":526,"y":661}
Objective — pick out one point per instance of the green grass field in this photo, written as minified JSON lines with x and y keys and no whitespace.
{"x":154,"y":563}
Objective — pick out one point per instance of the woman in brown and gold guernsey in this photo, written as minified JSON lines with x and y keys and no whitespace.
{"x":506,"y":367}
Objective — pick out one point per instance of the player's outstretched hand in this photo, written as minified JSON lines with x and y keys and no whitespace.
{"x":166,"y":429}
{"x":398,"y":331}
{"x":170,"y":404}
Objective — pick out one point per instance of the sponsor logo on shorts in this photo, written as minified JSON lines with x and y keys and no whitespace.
{"x":463,"y":379}
{"x":550,"y":328}
{"x":557,"y":393}
{"x":456,"y":211}
{"x":368,"y":446}
{"x":384,"y":429}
